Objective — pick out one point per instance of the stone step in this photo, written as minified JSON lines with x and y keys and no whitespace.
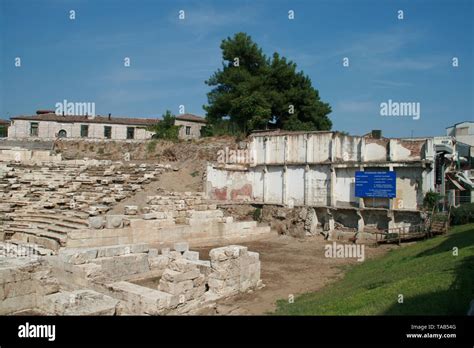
{"x":50,"y":222}
{"x":61,"y":217}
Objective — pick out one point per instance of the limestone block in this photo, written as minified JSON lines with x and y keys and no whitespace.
{"x":13,"y":304}
{"x":203,"y":266}
{"x":158,"y":262}
{"x":224,"y":253}
{"x":77,"y":256}
{"x":253,"y":256}
{"x":114,"y":250}
{"x":139,"y":248}
{"x":182,"y":265}
{"x":19,"y":288}
{"x":120,"y":266}
{"x":181,"y":247}
{"x":131,"y":210}
{"x":46,"y":282}
{"x":191,"y":255}
{"x":96,"y":222}
{"x":150,"y":216}
{"x":175,"y":288}
{"x":114,"y":221}
{"x":90,"y":270}
{"x":174,"y":276}
{"x":200,"y":280}
{"x":79,"y":302}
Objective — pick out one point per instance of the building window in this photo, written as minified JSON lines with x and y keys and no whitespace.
{"x":130,"y":132}
{"x":84,"y":130}
{"x":62,"y":133}
{"x":107,"y":132}
{"x":188,"y":130}
{"x":34,"y":129}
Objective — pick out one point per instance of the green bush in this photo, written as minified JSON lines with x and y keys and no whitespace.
{"x":431,"y":200}
{"x":165,"y":129}
{"x":257,"y":214}
{"x":3,"y":131}
{"x":151,"y":146}
{"x":221,"y":127}
{"x":463,"y":214}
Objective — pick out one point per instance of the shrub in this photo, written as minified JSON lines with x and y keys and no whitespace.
{"x":463,"y":214}
{"x":257,"y":214}
{"x":165,"y":129}
{"x":431,"y":200}
{"x":151,"y":146}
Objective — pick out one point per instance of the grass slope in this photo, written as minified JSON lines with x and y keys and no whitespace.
{"x":431,"y":280}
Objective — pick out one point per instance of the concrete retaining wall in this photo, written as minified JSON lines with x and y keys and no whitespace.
{"x":318,"y":169}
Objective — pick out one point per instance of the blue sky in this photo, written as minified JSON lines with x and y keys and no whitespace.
{"x":81,"y":60}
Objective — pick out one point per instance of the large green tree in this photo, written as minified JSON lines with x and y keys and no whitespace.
{"x":253,"y":90}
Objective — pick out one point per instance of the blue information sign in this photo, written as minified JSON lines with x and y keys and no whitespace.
{"x":375,"y":184}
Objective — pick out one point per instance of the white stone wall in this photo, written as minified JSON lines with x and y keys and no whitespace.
{"x":28,"y":156}
{"x":319,"y":169}
{"x":20,"y":129}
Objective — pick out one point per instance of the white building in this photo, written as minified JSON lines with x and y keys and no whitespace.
{"x":190,"y":126}
{"x":47,"y":125}
{"x":463,"y":132}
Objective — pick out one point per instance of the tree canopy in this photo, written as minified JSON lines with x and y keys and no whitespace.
{"x":165,"y":129}
{"x":254,"y":91}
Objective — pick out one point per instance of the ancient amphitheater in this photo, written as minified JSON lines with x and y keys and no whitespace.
{"x":65,"y":252}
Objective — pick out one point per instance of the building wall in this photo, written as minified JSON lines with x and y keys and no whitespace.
{"x":459,"y":132}
{"x":49,"y":130}
{"x":282,"y":173}
{"x":195,"y":131}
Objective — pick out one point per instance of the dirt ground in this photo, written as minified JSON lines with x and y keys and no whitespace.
{"x":289,"y":266}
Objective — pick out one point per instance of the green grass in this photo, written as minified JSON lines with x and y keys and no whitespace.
{"x":431,"y":280}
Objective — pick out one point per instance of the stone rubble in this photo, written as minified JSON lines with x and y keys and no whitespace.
{"x":105,"y":280}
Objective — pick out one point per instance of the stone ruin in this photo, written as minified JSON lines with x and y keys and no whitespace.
{"x":64,"y":250}
{"x":41,"y":204}
{"x":126,"y":279}
{"x":65,"y":204}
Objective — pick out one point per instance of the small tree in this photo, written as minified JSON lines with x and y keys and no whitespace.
{"x":431,"y":200}
{"x":165,"y":129}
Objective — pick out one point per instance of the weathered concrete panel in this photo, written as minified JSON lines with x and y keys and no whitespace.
{"x":295,"y":184}
{"x":275,"y":150}
{"x":296,"y":148}
{"x":318,"y":149}
{"x":311,"y":159}
{"x":274,"y":185}
{"x":375,"y":149}
{"x":409,"y":194}
{"x":318,"y":185}
{"x":345,"y":187}
{"x":347,"y":148}
{"x":257,"y":179}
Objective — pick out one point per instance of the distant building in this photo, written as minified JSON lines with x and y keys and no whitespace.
{"x":463,"y":132}
{"x":190,"y":126}
{"x":48,"y":125}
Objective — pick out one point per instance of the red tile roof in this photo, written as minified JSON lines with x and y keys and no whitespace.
{"x":191,"y":117}
{"x":85,"y":119}
{"x":4,"y":122}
